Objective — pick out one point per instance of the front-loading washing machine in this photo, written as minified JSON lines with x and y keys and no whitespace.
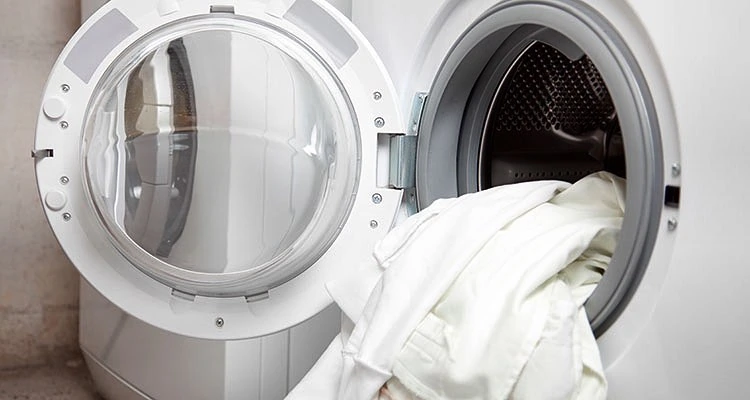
{"x":208,"y":166}
{"x":652,"y":91}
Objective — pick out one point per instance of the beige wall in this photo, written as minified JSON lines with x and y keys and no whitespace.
{"x":38,"y":285}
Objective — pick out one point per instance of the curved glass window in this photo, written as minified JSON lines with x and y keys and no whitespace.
{"x":221,"y":156}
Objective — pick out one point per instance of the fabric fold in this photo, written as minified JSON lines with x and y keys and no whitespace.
{"x":480,"y":297}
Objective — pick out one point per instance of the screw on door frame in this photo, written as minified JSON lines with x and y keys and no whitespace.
{"x":676,"y":170}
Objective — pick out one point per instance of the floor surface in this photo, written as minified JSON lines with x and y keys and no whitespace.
{"x":69,"y":381}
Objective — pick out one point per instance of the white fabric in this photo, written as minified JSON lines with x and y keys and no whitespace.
{"x":465,"y":300}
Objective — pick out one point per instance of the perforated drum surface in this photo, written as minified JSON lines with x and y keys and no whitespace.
{"x":548,"y":91}
{"x":552,"y":118}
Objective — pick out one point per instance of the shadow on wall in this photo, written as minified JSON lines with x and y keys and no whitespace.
{"x":38,"y":285}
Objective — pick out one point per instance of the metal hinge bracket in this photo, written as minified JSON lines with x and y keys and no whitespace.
{"x":417,"y":109}
{"x":403,"y":149}
{"x":403,"y":161}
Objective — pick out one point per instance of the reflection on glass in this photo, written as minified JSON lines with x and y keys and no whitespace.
{"x":219,"y":153}
{"x":159,"y":184}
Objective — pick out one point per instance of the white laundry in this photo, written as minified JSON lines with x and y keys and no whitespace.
{"x":478,"y":297}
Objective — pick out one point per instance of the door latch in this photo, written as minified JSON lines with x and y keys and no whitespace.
{"x":43,"y":153}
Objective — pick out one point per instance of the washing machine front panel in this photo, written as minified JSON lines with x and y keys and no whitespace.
{"x":473,"y":69}
{"x":441,"y":31}
{"x":683,"y":332}
{"x":207,"y":167}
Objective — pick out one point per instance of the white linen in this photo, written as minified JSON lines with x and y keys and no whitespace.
{"x":466,"y":299}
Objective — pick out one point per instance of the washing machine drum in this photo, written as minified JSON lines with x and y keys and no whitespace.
{"x":551,"y":118}
{"x":217,"y":151}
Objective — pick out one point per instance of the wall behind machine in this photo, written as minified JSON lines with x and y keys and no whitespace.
{"x":38,"y":285}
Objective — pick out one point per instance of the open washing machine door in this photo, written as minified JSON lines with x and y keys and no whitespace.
{"x":209,"y":166}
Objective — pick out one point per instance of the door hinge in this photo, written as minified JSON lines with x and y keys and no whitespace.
{"x":417,"y":109}
{"x":403,"y":161}
{"x":403,"y":149}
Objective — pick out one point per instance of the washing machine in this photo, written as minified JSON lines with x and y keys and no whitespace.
{"x":521,"y":90}
{"x":208,"y":166}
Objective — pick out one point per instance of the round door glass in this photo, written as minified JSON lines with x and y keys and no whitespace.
{"x":221,"y":157}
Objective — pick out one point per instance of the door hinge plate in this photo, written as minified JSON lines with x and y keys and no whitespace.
{"x":417,"y":109}
{"x":403,"y":149}
{"x":403,"y":161}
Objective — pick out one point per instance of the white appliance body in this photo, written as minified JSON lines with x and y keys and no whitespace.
{"x":683,"y":334}
{"x":130,"y":359}
{"x":678,"y":332}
